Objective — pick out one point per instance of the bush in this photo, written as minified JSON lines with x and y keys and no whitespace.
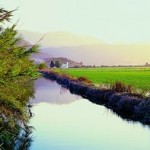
{"x":58,"y":63}
{"x":84,"y":80}
{"x":142,"y":111}
{"x":121,"y":87}
{"x":42,"y":66}
{"x":52,"y":64}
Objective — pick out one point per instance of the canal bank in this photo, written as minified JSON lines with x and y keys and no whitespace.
{"x":128,"y":106}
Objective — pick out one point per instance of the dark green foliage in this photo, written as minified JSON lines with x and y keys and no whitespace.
{"x":58,"y":63}
{"x":52,"y":64}
{"x":17,"y":72}
{"x":14,"y":59}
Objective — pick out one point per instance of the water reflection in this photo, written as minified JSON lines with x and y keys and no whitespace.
{"x":80,"y":125}
{"x":50,"y":92}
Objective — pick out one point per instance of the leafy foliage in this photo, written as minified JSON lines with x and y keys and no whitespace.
{"x":17,"y":72}
{"x":58,"y":63}
{"x":14,"y":59}
{"x":52,"y":64}
{"x":42,"y":65}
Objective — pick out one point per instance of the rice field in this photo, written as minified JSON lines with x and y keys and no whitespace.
{"x":138,"y":77}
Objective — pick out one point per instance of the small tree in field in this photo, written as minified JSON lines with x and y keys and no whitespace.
{"x":52,"y":64}
{"x":58,"y":63}
{"x":42,"y":66}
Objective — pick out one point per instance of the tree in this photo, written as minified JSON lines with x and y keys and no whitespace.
{"x":52,"y":64}
{"x":58,"y":63}
{"x":17,"y":72}
{"x":42,"y":66}
{"x":5,"y":15}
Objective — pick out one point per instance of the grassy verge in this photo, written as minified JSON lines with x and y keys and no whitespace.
{"x":136,"y":77}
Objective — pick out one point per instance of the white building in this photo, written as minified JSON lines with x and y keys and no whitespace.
{"x":64,"y":65}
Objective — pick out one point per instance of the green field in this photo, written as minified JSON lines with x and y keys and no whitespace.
{"x":139,"y":78}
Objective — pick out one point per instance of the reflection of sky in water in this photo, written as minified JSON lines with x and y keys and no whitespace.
{"x":50,"y":92}
{"x":82,"y":125}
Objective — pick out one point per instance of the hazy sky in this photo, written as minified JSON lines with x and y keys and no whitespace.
{"x":125,"y":21}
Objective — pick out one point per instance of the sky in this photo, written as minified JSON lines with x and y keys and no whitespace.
{"x":112,"y":21}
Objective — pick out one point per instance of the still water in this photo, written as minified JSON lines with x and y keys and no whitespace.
{"x":64,"y":121}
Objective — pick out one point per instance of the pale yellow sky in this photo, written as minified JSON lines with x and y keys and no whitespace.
{"x":112,"y":21}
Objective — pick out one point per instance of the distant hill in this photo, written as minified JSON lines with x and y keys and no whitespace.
{"x":59,"y":39}
{"x":89,"y":50}
{"x":64,"y":61}
{"x":103,"y":54}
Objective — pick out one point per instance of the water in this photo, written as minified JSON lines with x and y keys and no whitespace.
{"x":64,"y":121}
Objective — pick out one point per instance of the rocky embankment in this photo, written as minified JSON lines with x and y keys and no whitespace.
{"x":127,"y":105}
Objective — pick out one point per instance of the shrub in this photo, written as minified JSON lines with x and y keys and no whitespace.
{"x":52,"y":64}
{"x":58,"y":63}
{"x":84,"y":80}
{"x":121,"y":87}
{"x":42,"y":66}
{"x":126,"y":106}
{"x":142,"y":111}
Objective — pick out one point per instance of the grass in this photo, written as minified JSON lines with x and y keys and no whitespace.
{"x":137,"y":77}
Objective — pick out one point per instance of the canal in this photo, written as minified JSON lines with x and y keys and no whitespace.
{"x":64,"y":121}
